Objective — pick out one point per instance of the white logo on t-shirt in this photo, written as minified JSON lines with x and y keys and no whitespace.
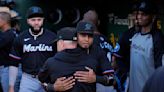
{"x":26,"y":39}
{"x":40,"y":47}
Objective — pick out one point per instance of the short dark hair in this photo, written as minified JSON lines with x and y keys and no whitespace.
{"x":5,"y":16}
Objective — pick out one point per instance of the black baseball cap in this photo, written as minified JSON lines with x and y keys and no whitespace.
{"x":35,"y":11}
{"x":66,"y":33}
{"x":147,"y":7}
{"x":85,"y":27}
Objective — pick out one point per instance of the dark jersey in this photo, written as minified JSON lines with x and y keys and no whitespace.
{"x":100,"y":55}
{"x":6,"y":40}
{"x":66,"y":63}
{"x":104,"y":67}
{"x":33,"y":52}
{"x":101,"y":41}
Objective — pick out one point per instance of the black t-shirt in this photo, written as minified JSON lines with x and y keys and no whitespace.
{"x":33,"y":52}
{"x":6,"y":40}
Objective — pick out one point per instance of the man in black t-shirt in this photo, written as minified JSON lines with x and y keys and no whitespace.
{"x":33,"y":47}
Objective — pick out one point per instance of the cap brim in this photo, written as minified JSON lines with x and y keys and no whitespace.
{"x":85,"y":32}
{"x":36,"y":15}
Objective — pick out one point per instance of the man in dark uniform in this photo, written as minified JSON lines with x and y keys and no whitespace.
{"x":6,"y":39}
{"x":100,"y":40}
{"x":85,"y":41}
{"x":33,"y":47}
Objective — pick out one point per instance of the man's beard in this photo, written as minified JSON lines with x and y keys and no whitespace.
{"x":35,"y":31}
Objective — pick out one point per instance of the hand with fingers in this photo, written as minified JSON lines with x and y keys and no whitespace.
{"x":63,"y":83}
{"x":85,"y":76}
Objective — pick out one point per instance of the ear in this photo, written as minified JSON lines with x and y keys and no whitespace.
{"x":60,"y":45}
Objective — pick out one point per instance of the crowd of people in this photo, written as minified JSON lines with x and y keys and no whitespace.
{"x":75,"y":59}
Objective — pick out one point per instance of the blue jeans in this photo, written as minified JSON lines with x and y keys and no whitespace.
{"x":4,"y":75}
{"x":30,"y":84}
{"x":4,"y":78}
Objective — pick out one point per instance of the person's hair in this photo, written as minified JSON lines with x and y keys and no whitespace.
{"x":93,"y":18}
{"x":5,"y":16}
